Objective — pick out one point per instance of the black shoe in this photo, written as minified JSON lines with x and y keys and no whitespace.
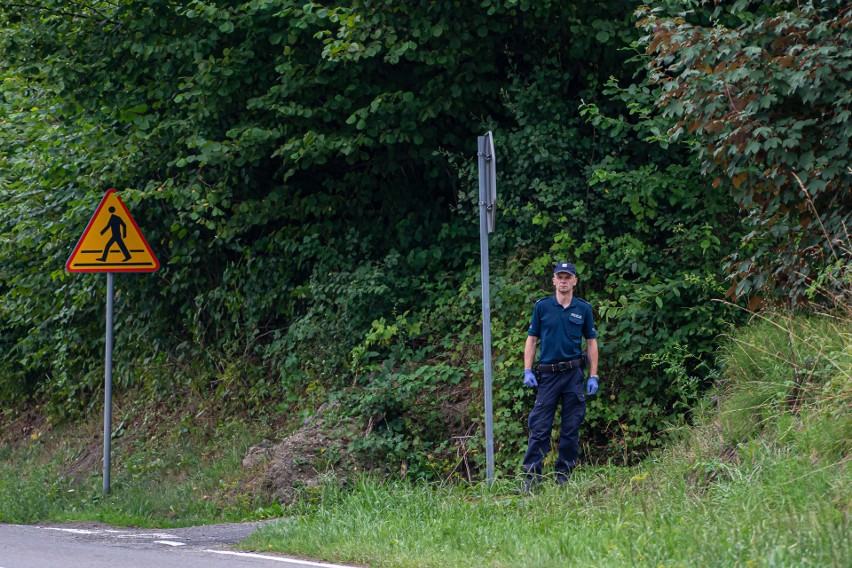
{"x":530,"y":484}
{"x":562,"y":477}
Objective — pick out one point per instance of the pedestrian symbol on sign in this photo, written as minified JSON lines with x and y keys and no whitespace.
{"x":119,"y":233}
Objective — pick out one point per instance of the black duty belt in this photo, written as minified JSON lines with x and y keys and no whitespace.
{"x":561,"y":366}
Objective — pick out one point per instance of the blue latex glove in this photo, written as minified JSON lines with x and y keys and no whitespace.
{"x":592,"y":385}
{"x":529,"y":378}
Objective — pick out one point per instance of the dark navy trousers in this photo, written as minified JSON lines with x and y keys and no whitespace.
{"x":554,"y":388}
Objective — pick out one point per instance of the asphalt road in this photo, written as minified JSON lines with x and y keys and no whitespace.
{"x":94,"y":545}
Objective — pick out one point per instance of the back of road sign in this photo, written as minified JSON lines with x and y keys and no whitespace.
{"x":112,"y":242}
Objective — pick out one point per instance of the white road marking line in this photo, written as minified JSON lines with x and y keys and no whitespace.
{"x":145,"y":535}
{"x":170,"y":542}
{"x":75,"y":531}
{"x":280,"y":559}
{"x":118,"y":534}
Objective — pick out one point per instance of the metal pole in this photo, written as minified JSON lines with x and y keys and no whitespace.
{"x":108,"y":380}
{"x":486,"y":310}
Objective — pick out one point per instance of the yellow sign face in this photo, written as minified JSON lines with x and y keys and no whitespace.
{"x":112,"y":242}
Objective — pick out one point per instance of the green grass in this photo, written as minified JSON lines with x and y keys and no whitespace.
{"x":177,"y":474}
{"x":777,"y":512}
{"x":762,"y":479}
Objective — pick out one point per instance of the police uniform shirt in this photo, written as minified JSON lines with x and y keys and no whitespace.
{"x":561,"y":330}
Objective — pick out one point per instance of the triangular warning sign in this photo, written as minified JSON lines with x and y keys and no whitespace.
{"x":112,"y":242}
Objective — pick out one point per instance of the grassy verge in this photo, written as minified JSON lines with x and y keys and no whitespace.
{"x":177,"y":472}
{"x":775,"y":514}
{"x":761,"y":480}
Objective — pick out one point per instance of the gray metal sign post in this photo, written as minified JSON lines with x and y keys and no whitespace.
{"x":108,"y":378}
{"x":112,"y":226}
{"x":487,"y":204}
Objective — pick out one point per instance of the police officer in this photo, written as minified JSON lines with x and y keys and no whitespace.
{"x":559,"y":324}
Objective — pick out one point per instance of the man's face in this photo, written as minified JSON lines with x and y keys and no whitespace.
{"x":564,"y":282}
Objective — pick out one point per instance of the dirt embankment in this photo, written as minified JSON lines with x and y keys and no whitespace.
{"x":297,"y":462}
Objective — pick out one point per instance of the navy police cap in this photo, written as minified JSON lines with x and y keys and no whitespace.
{"x":565,"y":267}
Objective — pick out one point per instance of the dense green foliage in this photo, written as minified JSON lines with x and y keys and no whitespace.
{"x":767,"y":93}
{"x":306,"y":176}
